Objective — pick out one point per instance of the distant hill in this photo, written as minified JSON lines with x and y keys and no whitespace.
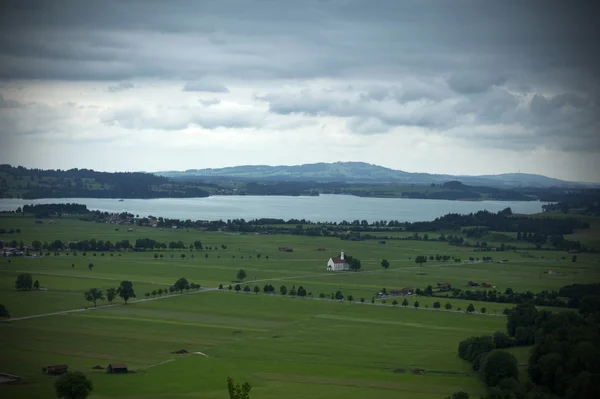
{"x":360,"y":172}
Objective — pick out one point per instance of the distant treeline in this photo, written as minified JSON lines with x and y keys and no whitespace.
{"x":541,"y":231}
{"x":53,"y":209}
{"x":38,"y":183}
{"x":583,"y":201}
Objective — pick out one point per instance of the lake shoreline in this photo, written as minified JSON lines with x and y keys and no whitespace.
{"x":323,"y":208}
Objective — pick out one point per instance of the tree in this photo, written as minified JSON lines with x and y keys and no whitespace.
{"x":220,"y":286}
{"x":362,"y":300}
{"x":355,"y":264}
{"x":437,"y":305}
{"x":385,"y":264}
{"x":241,"y":275}
{"x":147,"y":295}
{"x":154,"y":292}
{"x":93,"y":295}
{"x":180,"y":284}
{"x":24,"y":282}
{"x":155,"y":256}
{"x":470,"y":308}
{"x":349,"y":298}
{"x":237,"y":391}
{"x":91,"y":266}
{"x":36,"y":285}
{"x":301,"y":292}
{"x":416,"y":305}
{"x":420,"y":260}
{"x":502,"y":340}
{"x":4,"y":313}
{"x":283,"y":290}
{"x":339,"y":296}
{"x":394,"y":303}
{"x":405,"y":302}
{"x":182,"y":256}
{"x":256,"y":289}
{"x":498,"y":365}
{"x":238,"y":288}
{"x":574,"y":258}
{"x":160,"y":292}
{"x":483,"y":310}
{"x":448,"y":306}
{"x":126,"y":290}
{"x":74,"y":385}
{"x":246,"y":288}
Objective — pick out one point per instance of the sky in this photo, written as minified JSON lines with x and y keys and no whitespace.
{"x":464,"y":87}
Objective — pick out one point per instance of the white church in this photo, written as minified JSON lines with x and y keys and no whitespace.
{"x":337,"y":264}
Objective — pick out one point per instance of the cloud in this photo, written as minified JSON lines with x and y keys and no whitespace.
{"x":172,"y":118}
{"x":121,"y":86}
{"x":4,"y":103}
{"x":207,"y":102}
{"x":473,"y":82}
{"x":205,"y":85}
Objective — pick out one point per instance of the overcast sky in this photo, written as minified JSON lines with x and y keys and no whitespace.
{"x":459,"y":87}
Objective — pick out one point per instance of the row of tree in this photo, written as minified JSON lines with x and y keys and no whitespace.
{"x":125,"y":290}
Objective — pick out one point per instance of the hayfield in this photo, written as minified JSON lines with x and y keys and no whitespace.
{"x":284,"y":346}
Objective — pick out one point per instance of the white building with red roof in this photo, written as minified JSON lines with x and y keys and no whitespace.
{"x":337,"y":264}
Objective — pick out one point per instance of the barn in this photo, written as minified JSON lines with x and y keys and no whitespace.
{"x":117,"y":368}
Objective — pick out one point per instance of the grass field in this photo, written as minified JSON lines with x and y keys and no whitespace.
{"x":285,"y":347}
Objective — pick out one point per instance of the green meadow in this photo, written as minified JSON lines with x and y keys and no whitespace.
{"x":284,"y":346}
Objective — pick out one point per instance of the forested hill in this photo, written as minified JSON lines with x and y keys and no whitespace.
{"x":360,"y":172}
{"x":20,"y":182}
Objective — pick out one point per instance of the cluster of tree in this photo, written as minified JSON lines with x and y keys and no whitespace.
{"x":301,"y":291}
{"x":85,"y":183}
{"x":585,"y":297}
{"x":45,"y":210}
{"x":543,"y":298}
{"x":25,"y":282}
{"x":353,"y":263}
{"x":496,"y":367}
{"x":125,"y":290}
{"x":9,"y":231}
{"x":566,"y":352}
{"x":585,"y":201}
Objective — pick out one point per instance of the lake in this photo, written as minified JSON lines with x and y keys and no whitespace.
{"x":324,"y":208}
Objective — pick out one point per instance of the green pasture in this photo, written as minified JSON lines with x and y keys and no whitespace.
{"x":284,"y":346}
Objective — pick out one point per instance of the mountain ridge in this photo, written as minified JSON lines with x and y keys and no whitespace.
{"x":362,"y":172}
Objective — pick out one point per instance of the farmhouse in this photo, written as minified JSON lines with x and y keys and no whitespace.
{"x":57,"y":369}
{"x":403,"y":292}
{"x":116,"y":368}
{"x":337,"y":264}
{"x":487,"y":285}
{"x":473,"y":283}
{"x":444,"y":286}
